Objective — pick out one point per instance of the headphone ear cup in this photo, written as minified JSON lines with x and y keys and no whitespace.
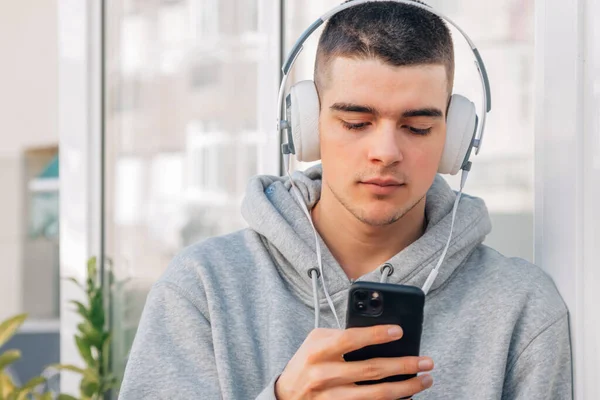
{"x":461,"y":123}
{"x":304,"y":122}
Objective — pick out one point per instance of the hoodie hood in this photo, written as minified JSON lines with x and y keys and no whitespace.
{"x":271,"y":209}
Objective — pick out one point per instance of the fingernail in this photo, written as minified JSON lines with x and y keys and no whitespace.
{"x":395,"y":331}
{"x":426,"y":380}
{"x":425,"y":364}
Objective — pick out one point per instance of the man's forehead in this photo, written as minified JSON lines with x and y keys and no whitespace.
{"x":372,"y":68}
{"x":370,"y":81}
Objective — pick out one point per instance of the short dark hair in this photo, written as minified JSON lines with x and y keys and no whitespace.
{"x":395,"y":33}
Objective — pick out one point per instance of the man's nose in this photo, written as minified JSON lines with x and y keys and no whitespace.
{"x":384,"y":146}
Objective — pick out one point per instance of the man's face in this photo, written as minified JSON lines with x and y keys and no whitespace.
{"x":382,"y":131}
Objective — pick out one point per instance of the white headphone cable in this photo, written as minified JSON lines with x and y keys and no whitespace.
{"x":434,"y":273}
{"x":296,"y":191}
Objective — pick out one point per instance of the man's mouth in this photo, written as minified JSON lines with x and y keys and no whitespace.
{"x":381,"y":186}
{"x":382,"y":182}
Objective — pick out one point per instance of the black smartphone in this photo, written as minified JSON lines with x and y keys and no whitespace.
{"x":371,"y":303}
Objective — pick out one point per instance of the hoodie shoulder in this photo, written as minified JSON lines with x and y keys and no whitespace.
{"x":219,"y":249}
{"x":198,"y":263}
{"x":513,"y":279}
{"x":519,"y":298}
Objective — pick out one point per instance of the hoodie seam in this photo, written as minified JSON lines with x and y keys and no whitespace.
{"x":515,"y":359}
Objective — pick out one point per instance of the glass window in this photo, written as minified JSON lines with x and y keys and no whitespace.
{"x":187,"y":85}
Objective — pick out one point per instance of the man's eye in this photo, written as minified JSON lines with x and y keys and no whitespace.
{"x":419,"y":131}
{"x":357,"y":126}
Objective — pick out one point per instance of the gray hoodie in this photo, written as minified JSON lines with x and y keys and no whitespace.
{"x":230,"y":312}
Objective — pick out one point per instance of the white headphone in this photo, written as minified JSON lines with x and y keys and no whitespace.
{"x":302,"y":106}
{"x":300,"y":120}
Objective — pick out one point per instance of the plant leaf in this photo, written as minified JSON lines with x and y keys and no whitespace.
{"x":29,"y":387}
{"x":106,"y":353}
{"x":89,"y":387}
{"x":81,"y":309}
{"x":87,"y":373}
{"x":6,"y":386}
{"x":63,"y":396}
{"x":75,"y":281}
{"x":9,"y":357}
{"x":85,"y":350}
{"x":33,"y":382}
{"x":67,"y":367}
{"x":96,"y":315}
{"x":91,"y":334}
{"x":92,"y":271}
{"x":10,"y":326}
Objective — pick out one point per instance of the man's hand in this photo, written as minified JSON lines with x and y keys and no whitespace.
{"x":318,"y":370}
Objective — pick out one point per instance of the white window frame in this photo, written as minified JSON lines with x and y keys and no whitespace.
{"x":79,"y":100}
{"x":567,"y":172}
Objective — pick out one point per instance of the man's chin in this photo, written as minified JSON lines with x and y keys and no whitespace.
{"x":377,"y":217}
{"x":381,"y":214}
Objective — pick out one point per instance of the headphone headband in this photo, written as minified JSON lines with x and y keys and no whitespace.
{"x":298,"y":46}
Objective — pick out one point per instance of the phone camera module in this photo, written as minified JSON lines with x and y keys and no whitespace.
{"x":367,"y":302}
{"x":375,"y":303}
{"x":360,"y":295}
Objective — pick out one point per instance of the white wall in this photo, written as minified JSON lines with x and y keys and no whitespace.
{"x":79,"y":125}
{"x":567,"y":161}
{"x":28,"y":118}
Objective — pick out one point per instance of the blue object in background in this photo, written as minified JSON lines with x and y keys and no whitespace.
{"x":39,"y":349}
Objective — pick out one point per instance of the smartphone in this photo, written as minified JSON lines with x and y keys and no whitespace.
{"x":371,"y":303}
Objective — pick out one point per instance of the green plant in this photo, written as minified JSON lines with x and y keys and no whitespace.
{"x":8,"y":389}
{"x":93,"y":340}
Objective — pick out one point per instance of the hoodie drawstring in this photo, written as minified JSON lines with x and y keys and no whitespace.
{"x":314,"y":275}
{"x":386,"y":271}
{"x":304,"y":208}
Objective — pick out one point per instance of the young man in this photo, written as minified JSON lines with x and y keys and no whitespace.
{"x":232,"y":317}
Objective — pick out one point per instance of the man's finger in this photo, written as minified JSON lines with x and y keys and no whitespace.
{"x":380,"y":368}
{"x":343,"y":373}
{"x":356,"y":338}
{"x":387,"y":391}
{"x":394,"y":390}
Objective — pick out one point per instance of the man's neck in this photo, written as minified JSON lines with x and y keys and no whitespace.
{"x":358,"y":247}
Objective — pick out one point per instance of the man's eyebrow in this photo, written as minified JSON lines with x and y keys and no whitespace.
{"x":423,"y":112}
{"x":431,"y":112}
{"x":349,"y":107}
